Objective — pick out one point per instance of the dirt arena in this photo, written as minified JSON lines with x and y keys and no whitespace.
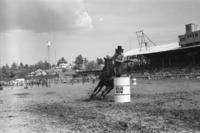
{"x":157,"y":106}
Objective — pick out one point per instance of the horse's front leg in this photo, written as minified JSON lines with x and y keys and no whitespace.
{"x":100,"y":88}
{"x":107,"y":90}
{"x":104,"y":91}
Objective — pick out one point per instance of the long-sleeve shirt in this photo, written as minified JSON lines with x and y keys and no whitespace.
{"x":118,"y":58}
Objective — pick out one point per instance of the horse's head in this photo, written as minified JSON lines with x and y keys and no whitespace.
{"x":108,"y":66}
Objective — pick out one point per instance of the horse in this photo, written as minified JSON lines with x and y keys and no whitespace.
{"x":106,"y":77}
{"x":123,"y":69}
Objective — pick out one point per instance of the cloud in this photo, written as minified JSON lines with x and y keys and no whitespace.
{"x":84,"y":19}
{"x":101,"y":19}
{"x":44,"y":15}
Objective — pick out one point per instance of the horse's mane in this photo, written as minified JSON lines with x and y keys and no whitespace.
{"x":107,"y":71}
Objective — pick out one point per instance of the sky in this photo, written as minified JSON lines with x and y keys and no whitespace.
{"x":92,"y":28}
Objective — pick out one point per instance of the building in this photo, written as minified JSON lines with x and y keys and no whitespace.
{"x":65,"y":65}
{"x":191,"y":36}
{"x":183,"y":54}
{"x":67,"y":77}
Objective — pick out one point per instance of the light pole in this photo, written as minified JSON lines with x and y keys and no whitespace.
{"x":48,"y":51}
{"x":0,"y":70}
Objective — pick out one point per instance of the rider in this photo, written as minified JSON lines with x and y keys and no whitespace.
{"x":118,"y":59}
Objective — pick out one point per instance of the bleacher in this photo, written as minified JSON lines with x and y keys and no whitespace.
{"x":175,"y":60}
{"x":169,"y":73}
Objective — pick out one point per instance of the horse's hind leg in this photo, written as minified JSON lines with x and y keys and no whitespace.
{"x":100,"y":88}
{"x":95,"y":90}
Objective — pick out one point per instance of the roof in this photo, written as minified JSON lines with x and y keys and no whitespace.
{"x":69,"y":73}
{"x":156,"y":49}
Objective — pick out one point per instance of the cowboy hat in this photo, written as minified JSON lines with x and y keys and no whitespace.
{"x":119,"y":48}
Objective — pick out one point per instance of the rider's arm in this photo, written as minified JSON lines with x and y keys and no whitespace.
{"x":120,"y":58}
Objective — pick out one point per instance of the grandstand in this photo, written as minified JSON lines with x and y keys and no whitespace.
{"x":175,"y":59}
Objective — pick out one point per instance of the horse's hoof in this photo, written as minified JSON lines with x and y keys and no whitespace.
{"x":92,"y":96}
{"x":101,"y":98}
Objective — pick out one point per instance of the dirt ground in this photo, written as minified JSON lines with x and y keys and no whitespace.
{"x":157,"y":106}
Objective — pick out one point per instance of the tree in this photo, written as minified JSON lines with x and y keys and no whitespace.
{"x":21,"y":65}
{"x":47,"y":65}
{"x":4,"y":72}
{"x":12,"y":74}
{"x":61,"y":60}
{"x":91,"y":65}
{"x":39,"y":65}
{"x":43,"y":65}
{"x":85,"y":61}
{"x":32,"y":68}
{"x":100,"y":61}
{"x":79,"y":62}
{"x":5,"y":69}
{"x":26,"y":66}
{"x":14,"y":66}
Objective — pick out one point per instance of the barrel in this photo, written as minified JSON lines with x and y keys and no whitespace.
{"x":122,"y":91}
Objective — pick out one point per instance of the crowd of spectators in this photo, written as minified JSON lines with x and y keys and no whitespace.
{"x":188,"y":72}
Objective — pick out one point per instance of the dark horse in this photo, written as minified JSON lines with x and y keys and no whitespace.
{"x":106,"y":77}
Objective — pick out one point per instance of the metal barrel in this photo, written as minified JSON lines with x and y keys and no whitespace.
{"x":122,"y":92}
